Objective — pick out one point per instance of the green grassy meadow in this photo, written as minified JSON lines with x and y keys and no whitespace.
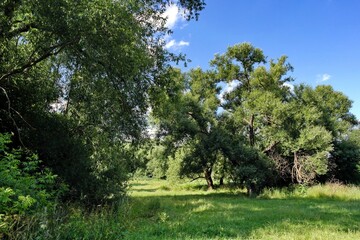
{"x":160,"y":210}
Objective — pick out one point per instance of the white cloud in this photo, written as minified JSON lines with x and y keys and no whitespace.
{"x":59,"y":106}
{"x":323,"y":77}
{"x":226,"y":88}
{"x":170,"y":44}
{"x":173,"y":15}
{"x":183,"y":43}
{"x":174,"y":45}
{"x":290,"y":86}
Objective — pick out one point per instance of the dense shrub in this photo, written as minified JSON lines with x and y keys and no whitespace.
{"x":251,"y":169}
{"x":25,"y":185}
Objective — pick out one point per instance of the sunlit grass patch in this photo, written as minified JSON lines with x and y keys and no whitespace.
{"x":193,"y":213}
{"x":334,"y":191}
{"x":303,"y":231}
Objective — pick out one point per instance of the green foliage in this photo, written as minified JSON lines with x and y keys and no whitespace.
{"x":25,"y":186}
{"x":251,"y":169}
{"x":158,"y":163}
{"x":344,"y":163}
{"x":76,"y":79}
{"x":75,"y":222}
{"x":335,"y":191}
{"x":296,"y":130}
{"x":174,"y":171}
{"x":188,"y":117}
{"x":264,"y":126}
{"x":99,"y":224}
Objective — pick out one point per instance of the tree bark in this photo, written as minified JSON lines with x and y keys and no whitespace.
{"x":251,"y":131}
{"x":296,"y":170}
{"x":209,"y":181}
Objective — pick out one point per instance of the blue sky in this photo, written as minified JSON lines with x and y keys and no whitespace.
{"x":320,"y":37}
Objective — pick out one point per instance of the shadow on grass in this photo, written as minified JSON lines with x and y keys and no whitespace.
{"x":218,"y":215}
{"x":144,"y":190}
{"x":133,"y":184}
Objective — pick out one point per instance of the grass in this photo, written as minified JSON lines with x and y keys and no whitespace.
{"x":157,"y":209}
{"x":72,"y":222}
{"x":160,"y":210}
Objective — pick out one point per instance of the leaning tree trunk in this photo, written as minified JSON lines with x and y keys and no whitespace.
{"x":208,"y":178}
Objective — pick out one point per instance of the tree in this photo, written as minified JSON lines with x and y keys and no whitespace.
{"x":267,"y":134}
{"x":101,"y":61}
{"x":188,"y":118}
{"x":257,"y":85}
{"x":324,"y":117}
{"x":252,"y":109}
{"x":296,"y":130}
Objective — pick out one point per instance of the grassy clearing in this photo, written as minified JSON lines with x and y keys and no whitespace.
{"x":186,"y":211}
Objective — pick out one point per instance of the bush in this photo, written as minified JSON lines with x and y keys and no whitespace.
{"x":94,"y":167}
{"x":26,"y":186}
{"x":345,"y":161}
{"x":251,"y":169}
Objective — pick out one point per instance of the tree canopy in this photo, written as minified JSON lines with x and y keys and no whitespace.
{"x":265,"y":132}
{"x":76,"y":81}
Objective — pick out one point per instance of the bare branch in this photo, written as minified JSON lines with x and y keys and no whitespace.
{"x":17,"y":113}
{"x":194,"y":179}
{"x":10,"y":116}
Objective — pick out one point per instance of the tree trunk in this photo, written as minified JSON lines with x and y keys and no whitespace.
{"x":251,"y":190}
{"x":221,"y":181}
{"x":296,"y":170}
{"x":251,"y":131}
{"x":209,"y":181}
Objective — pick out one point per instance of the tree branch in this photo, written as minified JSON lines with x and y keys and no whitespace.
{"x":50,"y":52}
{"x":12,"y":119}
{"x":270,"y":146}
{"x":194,"y":179}
{"x":19,"y":30}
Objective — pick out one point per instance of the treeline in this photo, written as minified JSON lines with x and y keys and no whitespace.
{"x":264,"y":132}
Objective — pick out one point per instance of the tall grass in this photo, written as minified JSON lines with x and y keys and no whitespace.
{"x":336,"y":191}
{"x":74,"y":222}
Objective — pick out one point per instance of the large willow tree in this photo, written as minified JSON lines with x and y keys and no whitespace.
{"x":76,"y":78}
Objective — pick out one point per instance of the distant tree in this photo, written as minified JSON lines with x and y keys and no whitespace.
{"x":296,"y":130}
{"x":253,"y":107}
{"x":267,"y":134}
{"x":188,"y":117}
